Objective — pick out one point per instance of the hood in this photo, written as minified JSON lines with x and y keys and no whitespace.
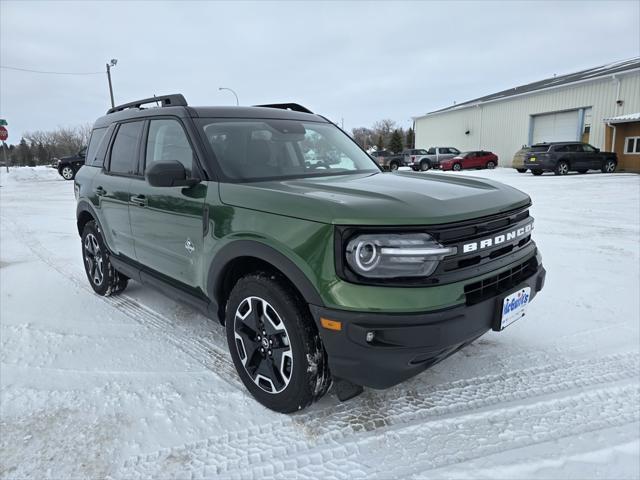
{"x":377,"y":199}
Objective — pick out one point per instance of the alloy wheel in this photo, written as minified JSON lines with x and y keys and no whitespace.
{"x":93,"y":259}
{"x":67,"y":173}
{"x":263,"y":345}
{"x":610,"y":166}
{"x":563,"y":168}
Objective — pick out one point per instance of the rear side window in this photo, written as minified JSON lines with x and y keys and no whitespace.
{"x":539,"y":148}
{"x":94,"y":142}
{"x":125,"y":149}
{"x":167,"y":141}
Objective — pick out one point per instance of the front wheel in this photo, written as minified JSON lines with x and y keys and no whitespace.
{"x":103,"y":277}
{"x":457,"y":167}
{"x":67,"y":173}
{"x":393,"y":166}
{"x":274,"y":344}
{"x":424,"y":166}
{"x":609,"y":166}
{"x":562,"y":168}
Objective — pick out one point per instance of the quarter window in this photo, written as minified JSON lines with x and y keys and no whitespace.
{"x":125,"y":149}
{"x":167,"y":141}
{"x":632,"y":145}
{"x":96,"y":137}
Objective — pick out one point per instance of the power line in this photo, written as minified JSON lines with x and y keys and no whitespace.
{"x":48,"y":72}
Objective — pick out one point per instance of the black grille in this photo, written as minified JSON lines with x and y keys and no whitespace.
{"x":490,"y":287}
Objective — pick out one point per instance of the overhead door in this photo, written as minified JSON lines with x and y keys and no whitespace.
{"x":556,"y":127}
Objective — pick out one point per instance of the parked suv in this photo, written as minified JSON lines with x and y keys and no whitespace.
{"x":69,"y":166}
{"x":563,"y":157}
{"x":320,"y":271}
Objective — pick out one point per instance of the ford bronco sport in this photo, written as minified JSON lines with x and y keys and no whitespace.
{"x":322,"y":268}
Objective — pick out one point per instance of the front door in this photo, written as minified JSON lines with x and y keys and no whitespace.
{"x":592,"y":157}
{"x":167,"y":222}
{"x":112,"y":188}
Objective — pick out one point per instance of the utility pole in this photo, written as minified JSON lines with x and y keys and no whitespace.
{"x":112,"y":63}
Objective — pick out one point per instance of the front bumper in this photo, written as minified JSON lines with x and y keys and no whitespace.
{"x":406,"y":344}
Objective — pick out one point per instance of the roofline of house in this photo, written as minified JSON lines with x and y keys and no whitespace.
{"x":616,"y":120}
{"x":455,"y":108}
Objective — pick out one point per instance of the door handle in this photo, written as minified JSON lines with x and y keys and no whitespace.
{"x":139,"y":200}
{"x":100,"y":191}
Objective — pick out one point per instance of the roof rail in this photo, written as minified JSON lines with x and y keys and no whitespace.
{"x":175,"y":100}
{"x":287,"y":106}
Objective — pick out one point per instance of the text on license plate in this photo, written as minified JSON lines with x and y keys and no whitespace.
{"x":514,"y":305}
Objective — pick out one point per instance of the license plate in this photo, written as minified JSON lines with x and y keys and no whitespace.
{"x":514,"y":306}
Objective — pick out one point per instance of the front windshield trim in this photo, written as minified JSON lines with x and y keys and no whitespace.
{"x":371,"y":166}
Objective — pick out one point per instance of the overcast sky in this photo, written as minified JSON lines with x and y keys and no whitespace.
{"x":357,"y":61}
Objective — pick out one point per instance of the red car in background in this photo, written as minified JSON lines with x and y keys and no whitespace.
{"x":474,"y":159}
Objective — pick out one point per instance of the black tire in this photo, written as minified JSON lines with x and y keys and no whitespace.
{"x":424,"y":165}
{"x":302,"y":374}
{"x":521,"y":170}
{"x":583,"y":170}
{"x":491,"y":165}
{"x":457,"y":167}
{"x":393,"y":166}
{"x":67,"y":172}
{"x":562,"y":168}
{"x":609,"y":166}
{"x":103,"y":277}
{"x":537,"y":172}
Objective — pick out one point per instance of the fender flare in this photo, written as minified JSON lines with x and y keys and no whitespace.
{"x":85,"y":206}
{"x":266,"y":253}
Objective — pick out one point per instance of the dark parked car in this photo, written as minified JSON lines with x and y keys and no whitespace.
{"x":69,"y":166}
{"x":475,"y":159}
{"x":320,"y":272}
{"x":563,"y":157}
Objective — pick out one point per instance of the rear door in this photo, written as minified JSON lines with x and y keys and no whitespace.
{"x":111,"y":187}
{"x":167,"y":222}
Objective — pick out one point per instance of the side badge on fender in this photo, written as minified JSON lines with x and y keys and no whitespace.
{"x":188,"y":245}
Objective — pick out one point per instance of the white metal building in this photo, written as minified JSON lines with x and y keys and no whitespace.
{"x":563,"y":108}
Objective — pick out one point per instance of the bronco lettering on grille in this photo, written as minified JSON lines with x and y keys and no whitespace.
{"x":498,"y":239}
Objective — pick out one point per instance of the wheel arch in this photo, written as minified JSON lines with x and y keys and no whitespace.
{"x":241,"y":257}
{"x":84,"y":214}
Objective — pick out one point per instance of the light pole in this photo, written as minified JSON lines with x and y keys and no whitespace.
{"x":234,"y":94}
{"x":112,"y":63}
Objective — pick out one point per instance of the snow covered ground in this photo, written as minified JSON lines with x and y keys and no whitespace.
{"x":139,"y":386}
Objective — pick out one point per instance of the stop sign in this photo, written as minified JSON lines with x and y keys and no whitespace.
{"x":4,"y":134}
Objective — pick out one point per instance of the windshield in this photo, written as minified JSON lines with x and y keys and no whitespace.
{"x":256,"y":149}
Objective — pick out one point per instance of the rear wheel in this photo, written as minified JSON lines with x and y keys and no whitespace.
{"x":103,"y":277}
{"x":609,"y":166}
{"x":424,"y":165}
{"x":521,"y":170}
{"x":562,"y":168}
{"x":457,"y":167}
{"x":274,"y":344}
{"x":67,"y":173}
{"x":537,"y":172}
{"x":491,"y":165}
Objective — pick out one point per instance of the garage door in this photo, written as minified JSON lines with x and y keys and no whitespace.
{"x":556,"y":127}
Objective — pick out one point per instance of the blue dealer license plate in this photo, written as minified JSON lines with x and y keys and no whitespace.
{"x":514,"y":306}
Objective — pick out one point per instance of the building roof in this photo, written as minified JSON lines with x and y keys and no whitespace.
{"x":630,"y":117}
{"x":553,"y":82}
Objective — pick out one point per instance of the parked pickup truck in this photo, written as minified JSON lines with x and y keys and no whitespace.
{"x":418,"y":159}
{"x":390,"y":161}
{"x":436,"y":154}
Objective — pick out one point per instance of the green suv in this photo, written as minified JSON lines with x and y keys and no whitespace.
{"x":323,"y":269}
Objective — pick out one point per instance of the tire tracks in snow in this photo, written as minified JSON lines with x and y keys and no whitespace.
{"x":316,"y":438}
{"x":198,"y":347}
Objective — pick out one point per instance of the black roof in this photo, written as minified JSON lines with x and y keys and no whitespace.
{"x":556,"y":81}
{"x":136,"y":109}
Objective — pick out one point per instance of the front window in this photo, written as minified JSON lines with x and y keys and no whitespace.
{"x":588,"y":148}
{"x":256,"y":149}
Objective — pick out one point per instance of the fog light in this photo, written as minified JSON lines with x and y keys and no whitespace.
{"x":370,"y":336}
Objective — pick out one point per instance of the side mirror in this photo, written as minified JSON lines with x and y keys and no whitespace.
{"x":169,"y":174}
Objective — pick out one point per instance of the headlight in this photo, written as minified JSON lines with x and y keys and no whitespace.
{"x":395,"y":255}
